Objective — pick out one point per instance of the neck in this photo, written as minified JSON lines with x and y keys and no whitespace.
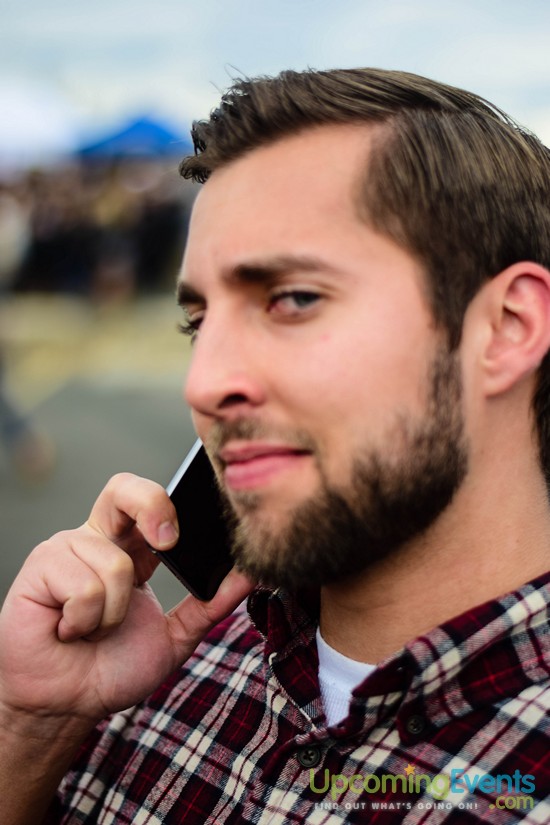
{"x":477,"y":550}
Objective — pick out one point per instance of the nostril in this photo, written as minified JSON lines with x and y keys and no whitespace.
{"x":232,"y":399}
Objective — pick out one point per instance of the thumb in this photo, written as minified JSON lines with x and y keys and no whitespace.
{"x":192,"y":619}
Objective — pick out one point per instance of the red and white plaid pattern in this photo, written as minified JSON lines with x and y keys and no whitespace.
{"x":221,"y":741}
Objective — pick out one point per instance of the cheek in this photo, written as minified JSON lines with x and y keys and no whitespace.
{"x":355,"y":383}
{"x":325,"y":377}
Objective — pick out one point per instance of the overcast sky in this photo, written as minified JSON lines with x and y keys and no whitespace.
{"x":110,"y":58}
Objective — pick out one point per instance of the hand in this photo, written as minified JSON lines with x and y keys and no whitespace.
{"x":81,"y":633}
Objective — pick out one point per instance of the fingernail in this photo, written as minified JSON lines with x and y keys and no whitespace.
{"x":167,"y":534}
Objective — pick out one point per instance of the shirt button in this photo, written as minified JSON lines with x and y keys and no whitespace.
{"x":415,"y":724}
{"x":309,"y":757}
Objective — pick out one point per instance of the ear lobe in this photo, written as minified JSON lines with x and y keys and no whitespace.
{"x":518,"y":307}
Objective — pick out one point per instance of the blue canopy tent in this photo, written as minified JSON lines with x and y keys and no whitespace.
{"x":141,"y":138}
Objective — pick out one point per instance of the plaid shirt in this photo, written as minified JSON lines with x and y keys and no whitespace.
{"x":454,"y":728}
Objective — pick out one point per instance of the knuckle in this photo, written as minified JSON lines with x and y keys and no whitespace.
{"x":155,"y":507}
{"x":119,"y":480}
{"x":54,"y":542}
{"x":146,"y":494}
{"x":119,"y":567}
{"x":91,"y":592}
{"x":155,"y":496}
{"x":47,"y":550}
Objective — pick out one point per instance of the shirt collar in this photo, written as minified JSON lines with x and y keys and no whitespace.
{"x":485,"y":655}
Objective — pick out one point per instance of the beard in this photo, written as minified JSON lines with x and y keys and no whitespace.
{"x":392,"y":496}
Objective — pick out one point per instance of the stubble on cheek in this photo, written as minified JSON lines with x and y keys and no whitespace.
{"x":393,"y":493}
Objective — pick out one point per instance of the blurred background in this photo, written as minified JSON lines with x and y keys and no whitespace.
{"x":96,"y":102}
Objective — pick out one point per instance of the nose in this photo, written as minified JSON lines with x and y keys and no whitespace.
{"x":224,"y":379}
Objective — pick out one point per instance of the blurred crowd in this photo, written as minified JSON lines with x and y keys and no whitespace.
{"x":106,"y":230}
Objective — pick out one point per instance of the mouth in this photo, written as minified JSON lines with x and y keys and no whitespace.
{"x":250,"y":465}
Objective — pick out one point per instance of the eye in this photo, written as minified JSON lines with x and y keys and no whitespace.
{"x":292,"y":302}
{"x":190,"y":327}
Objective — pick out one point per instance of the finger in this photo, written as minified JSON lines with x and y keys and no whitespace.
{"x":82,"y":611}
{"x":64,"y":583}
{"x":127,"y":500}
{"x":192,"y":619}
{"x":114,"y":569}
{"x":84,"y":576}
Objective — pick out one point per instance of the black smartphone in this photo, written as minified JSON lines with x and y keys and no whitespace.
{"x":201,"y":558}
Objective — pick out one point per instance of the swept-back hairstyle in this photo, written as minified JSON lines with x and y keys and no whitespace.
{"x":450,"y":177}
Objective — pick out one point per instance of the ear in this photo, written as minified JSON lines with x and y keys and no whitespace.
{"x":515,"y":307}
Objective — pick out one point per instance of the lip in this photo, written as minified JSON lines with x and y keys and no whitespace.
{"x":254,"y":464}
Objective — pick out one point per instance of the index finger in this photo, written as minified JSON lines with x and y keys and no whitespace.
{"x":128,"y":500}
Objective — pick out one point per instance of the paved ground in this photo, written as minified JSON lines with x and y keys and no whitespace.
{"x":105,"y":385}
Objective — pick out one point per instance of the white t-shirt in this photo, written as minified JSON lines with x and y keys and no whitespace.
{"x":338,"y":676}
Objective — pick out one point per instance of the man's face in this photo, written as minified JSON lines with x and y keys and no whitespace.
{"x":319,"y":385}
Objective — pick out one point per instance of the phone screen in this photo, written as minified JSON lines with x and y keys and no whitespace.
{"x":201,"y":558}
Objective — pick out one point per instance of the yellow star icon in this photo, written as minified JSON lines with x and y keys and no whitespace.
{"x":410,"y":769}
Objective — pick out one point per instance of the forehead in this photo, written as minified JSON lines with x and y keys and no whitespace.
{"x":288,"y":193}
{"x":324,"y":154}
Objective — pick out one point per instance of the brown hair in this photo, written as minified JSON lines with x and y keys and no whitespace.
{"x":454,"y":180}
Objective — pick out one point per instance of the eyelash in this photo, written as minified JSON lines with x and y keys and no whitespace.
{"x":191,"y":327}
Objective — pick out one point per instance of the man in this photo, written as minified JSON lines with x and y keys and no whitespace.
{"x":366,"y":282}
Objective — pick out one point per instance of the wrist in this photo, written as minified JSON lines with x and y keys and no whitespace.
{"x":36,"y":750}
{"x":43,"y":727}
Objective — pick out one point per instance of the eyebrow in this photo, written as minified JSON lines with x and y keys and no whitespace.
{"x":257,"y":273}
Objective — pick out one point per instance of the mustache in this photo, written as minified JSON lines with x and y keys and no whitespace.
{"x":249,"y":429}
